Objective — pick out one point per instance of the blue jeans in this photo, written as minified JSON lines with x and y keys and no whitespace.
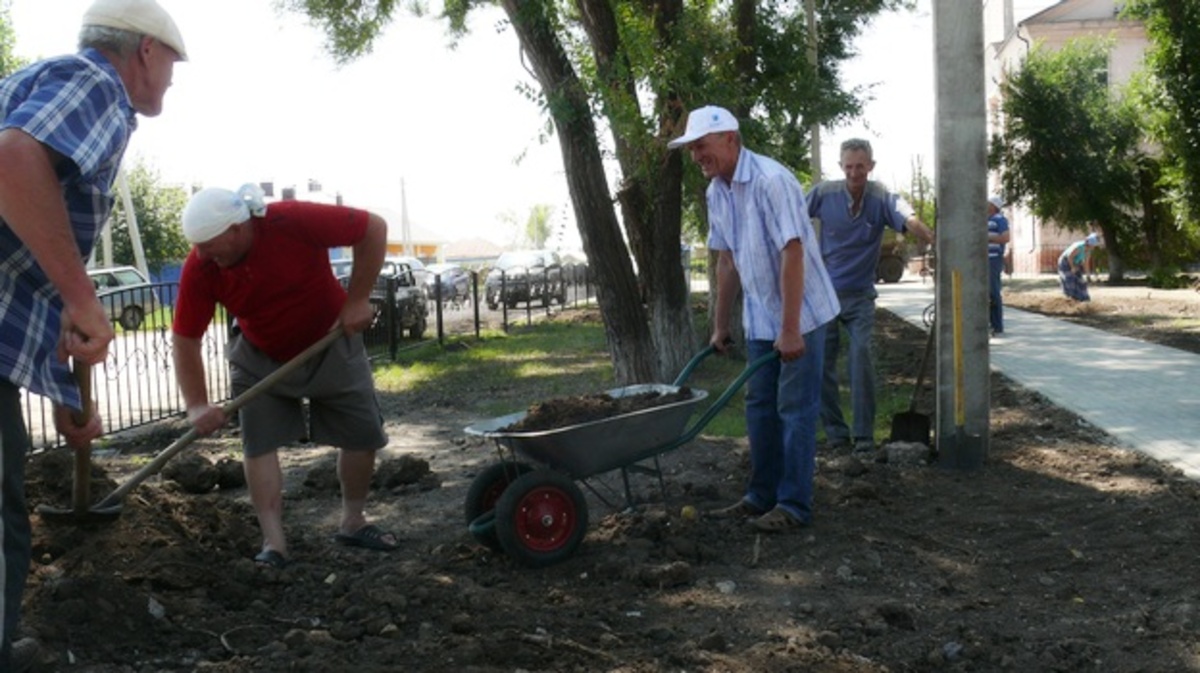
{"x":782,"y":403}
{"x":858,"y":316}
{"x":14,"y":514}
{"x":995,"y":304}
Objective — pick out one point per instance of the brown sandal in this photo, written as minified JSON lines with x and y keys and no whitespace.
{"x":739,"y":510}
{"x":777,"y":521}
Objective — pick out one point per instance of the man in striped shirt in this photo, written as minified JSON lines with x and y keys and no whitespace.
{"x":758,"y":223}
{"x":66,"y":124}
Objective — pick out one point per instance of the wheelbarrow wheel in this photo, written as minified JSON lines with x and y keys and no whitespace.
{"x":482,"y":495}
{"x":541,"y":518}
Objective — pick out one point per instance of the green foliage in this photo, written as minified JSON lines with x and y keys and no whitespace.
{"x":351,"y":25}
{"x":1067,"y":146}
{"x":698,"y":59}
{"x":1168,"y":278}
{"x":537,"y":227}
{"x":9,"y":62}
{"x":1174,"y":58}
{"x":158,"y":208}
{"x":921,"y":195}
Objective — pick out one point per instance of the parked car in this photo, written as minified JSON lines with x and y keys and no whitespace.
{"x":126,"y":294}
{"x":419,"y":272}
{"x":525,"y":275}
{"x":412,"y":311}
{"x":454,"y":280}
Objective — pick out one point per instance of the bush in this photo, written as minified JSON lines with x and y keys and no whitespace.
{"x":1168,"y":278}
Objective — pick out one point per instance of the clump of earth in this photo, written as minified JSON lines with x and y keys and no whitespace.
{"x":562,"y":412}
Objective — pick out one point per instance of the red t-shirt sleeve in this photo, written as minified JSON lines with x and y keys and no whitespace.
{"x":196,"y":304}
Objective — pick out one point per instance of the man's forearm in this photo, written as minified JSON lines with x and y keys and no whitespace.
{"x":792,"y":284}
{"x":368,"y":259}
{"x":189,"y":371}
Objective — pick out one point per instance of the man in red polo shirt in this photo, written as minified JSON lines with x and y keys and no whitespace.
{"x":269,"y":268}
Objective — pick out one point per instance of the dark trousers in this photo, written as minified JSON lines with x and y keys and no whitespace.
{"x":995,"y":303}
{"x":14,"y":514}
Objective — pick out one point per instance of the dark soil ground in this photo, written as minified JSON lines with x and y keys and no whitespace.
{"x":1065,"y":553}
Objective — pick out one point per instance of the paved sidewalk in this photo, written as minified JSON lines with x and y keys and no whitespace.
{"x":1146,"y":396}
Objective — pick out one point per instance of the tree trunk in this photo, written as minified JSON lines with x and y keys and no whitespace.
{"x":625,"y":323}
{"x":1112,"y":244}
{"x":650,"y":201}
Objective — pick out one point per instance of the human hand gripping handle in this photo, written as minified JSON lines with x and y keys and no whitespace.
{"x":86,"y":332}
{"x":208,"y":418}
{"x":79,"y":427}
{"x":356,"y":316}
{"x":790,"y":346}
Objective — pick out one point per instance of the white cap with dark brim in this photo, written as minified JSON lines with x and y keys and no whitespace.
{"x":703,"y":121}
{"x":144,"y":17}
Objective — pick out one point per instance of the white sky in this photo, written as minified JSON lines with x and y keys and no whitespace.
{"x":260,"y":100}
{"x":896,"y":60}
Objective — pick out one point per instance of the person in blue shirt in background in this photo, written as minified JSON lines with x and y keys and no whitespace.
{"x":852,"y":215}
{"x":66,"y":124}
{"x":998,"y":235}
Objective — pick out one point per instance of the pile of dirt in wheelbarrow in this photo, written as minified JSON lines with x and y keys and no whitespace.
{"x":562,"y":412}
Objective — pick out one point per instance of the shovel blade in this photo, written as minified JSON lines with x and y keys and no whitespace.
{"x":910,"y":426}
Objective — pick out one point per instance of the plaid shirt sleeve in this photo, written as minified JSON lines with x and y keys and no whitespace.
{"x":77,"y":106}
{"x":72,"y":108}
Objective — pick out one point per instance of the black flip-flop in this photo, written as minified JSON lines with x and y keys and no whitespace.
{"x":369,"y":536}
{"x":269,"y":558}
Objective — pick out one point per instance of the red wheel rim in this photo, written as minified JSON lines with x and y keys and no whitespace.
{"x":545,"y":518}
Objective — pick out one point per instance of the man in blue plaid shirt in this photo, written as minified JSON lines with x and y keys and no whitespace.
{"x":66,"y":124}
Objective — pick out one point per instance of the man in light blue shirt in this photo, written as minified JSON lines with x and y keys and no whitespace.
{"x":759,"y":225}
{"x":852,"y":215}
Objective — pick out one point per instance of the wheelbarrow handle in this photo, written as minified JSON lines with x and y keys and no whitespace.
{"x":692,"y":364}
{"x":716,"y":407}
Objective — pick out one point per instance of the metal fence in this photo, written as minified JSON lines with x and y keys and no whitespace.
{"x":135,"y":386}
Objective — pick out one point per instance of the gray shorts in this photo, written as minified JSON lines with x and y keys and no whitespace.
{"x":339,"y":387}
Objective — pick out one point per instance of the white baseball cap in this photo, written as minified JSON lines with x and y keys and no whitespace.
{"x":703,"y":121}
{"x":996,"y":201}
{"x":144,"y":17}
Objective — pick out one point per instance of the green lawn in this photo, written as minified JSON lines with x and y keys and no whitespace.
{"x":502,"y":373}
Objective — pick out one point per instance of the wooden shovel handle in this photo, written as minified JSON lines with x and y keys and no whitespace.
{"x":81,"y":491}
{"x":83,"y":378}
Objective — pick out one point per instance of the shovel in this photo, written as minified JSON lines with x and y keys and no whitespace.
{"x":112,"y":502}
{"x":81,"y":485}
{"x":910,"y":426}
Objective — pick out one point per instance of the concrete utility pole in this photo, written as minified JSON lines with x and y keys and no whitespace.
{"x":960,"y":143}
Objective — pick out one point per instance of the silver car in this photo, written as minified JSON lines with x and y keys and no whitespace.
{"x":126,"y":294}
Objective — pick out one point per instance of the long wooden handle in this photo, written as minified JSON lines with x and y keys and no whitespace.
{"x":151,"y":468}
